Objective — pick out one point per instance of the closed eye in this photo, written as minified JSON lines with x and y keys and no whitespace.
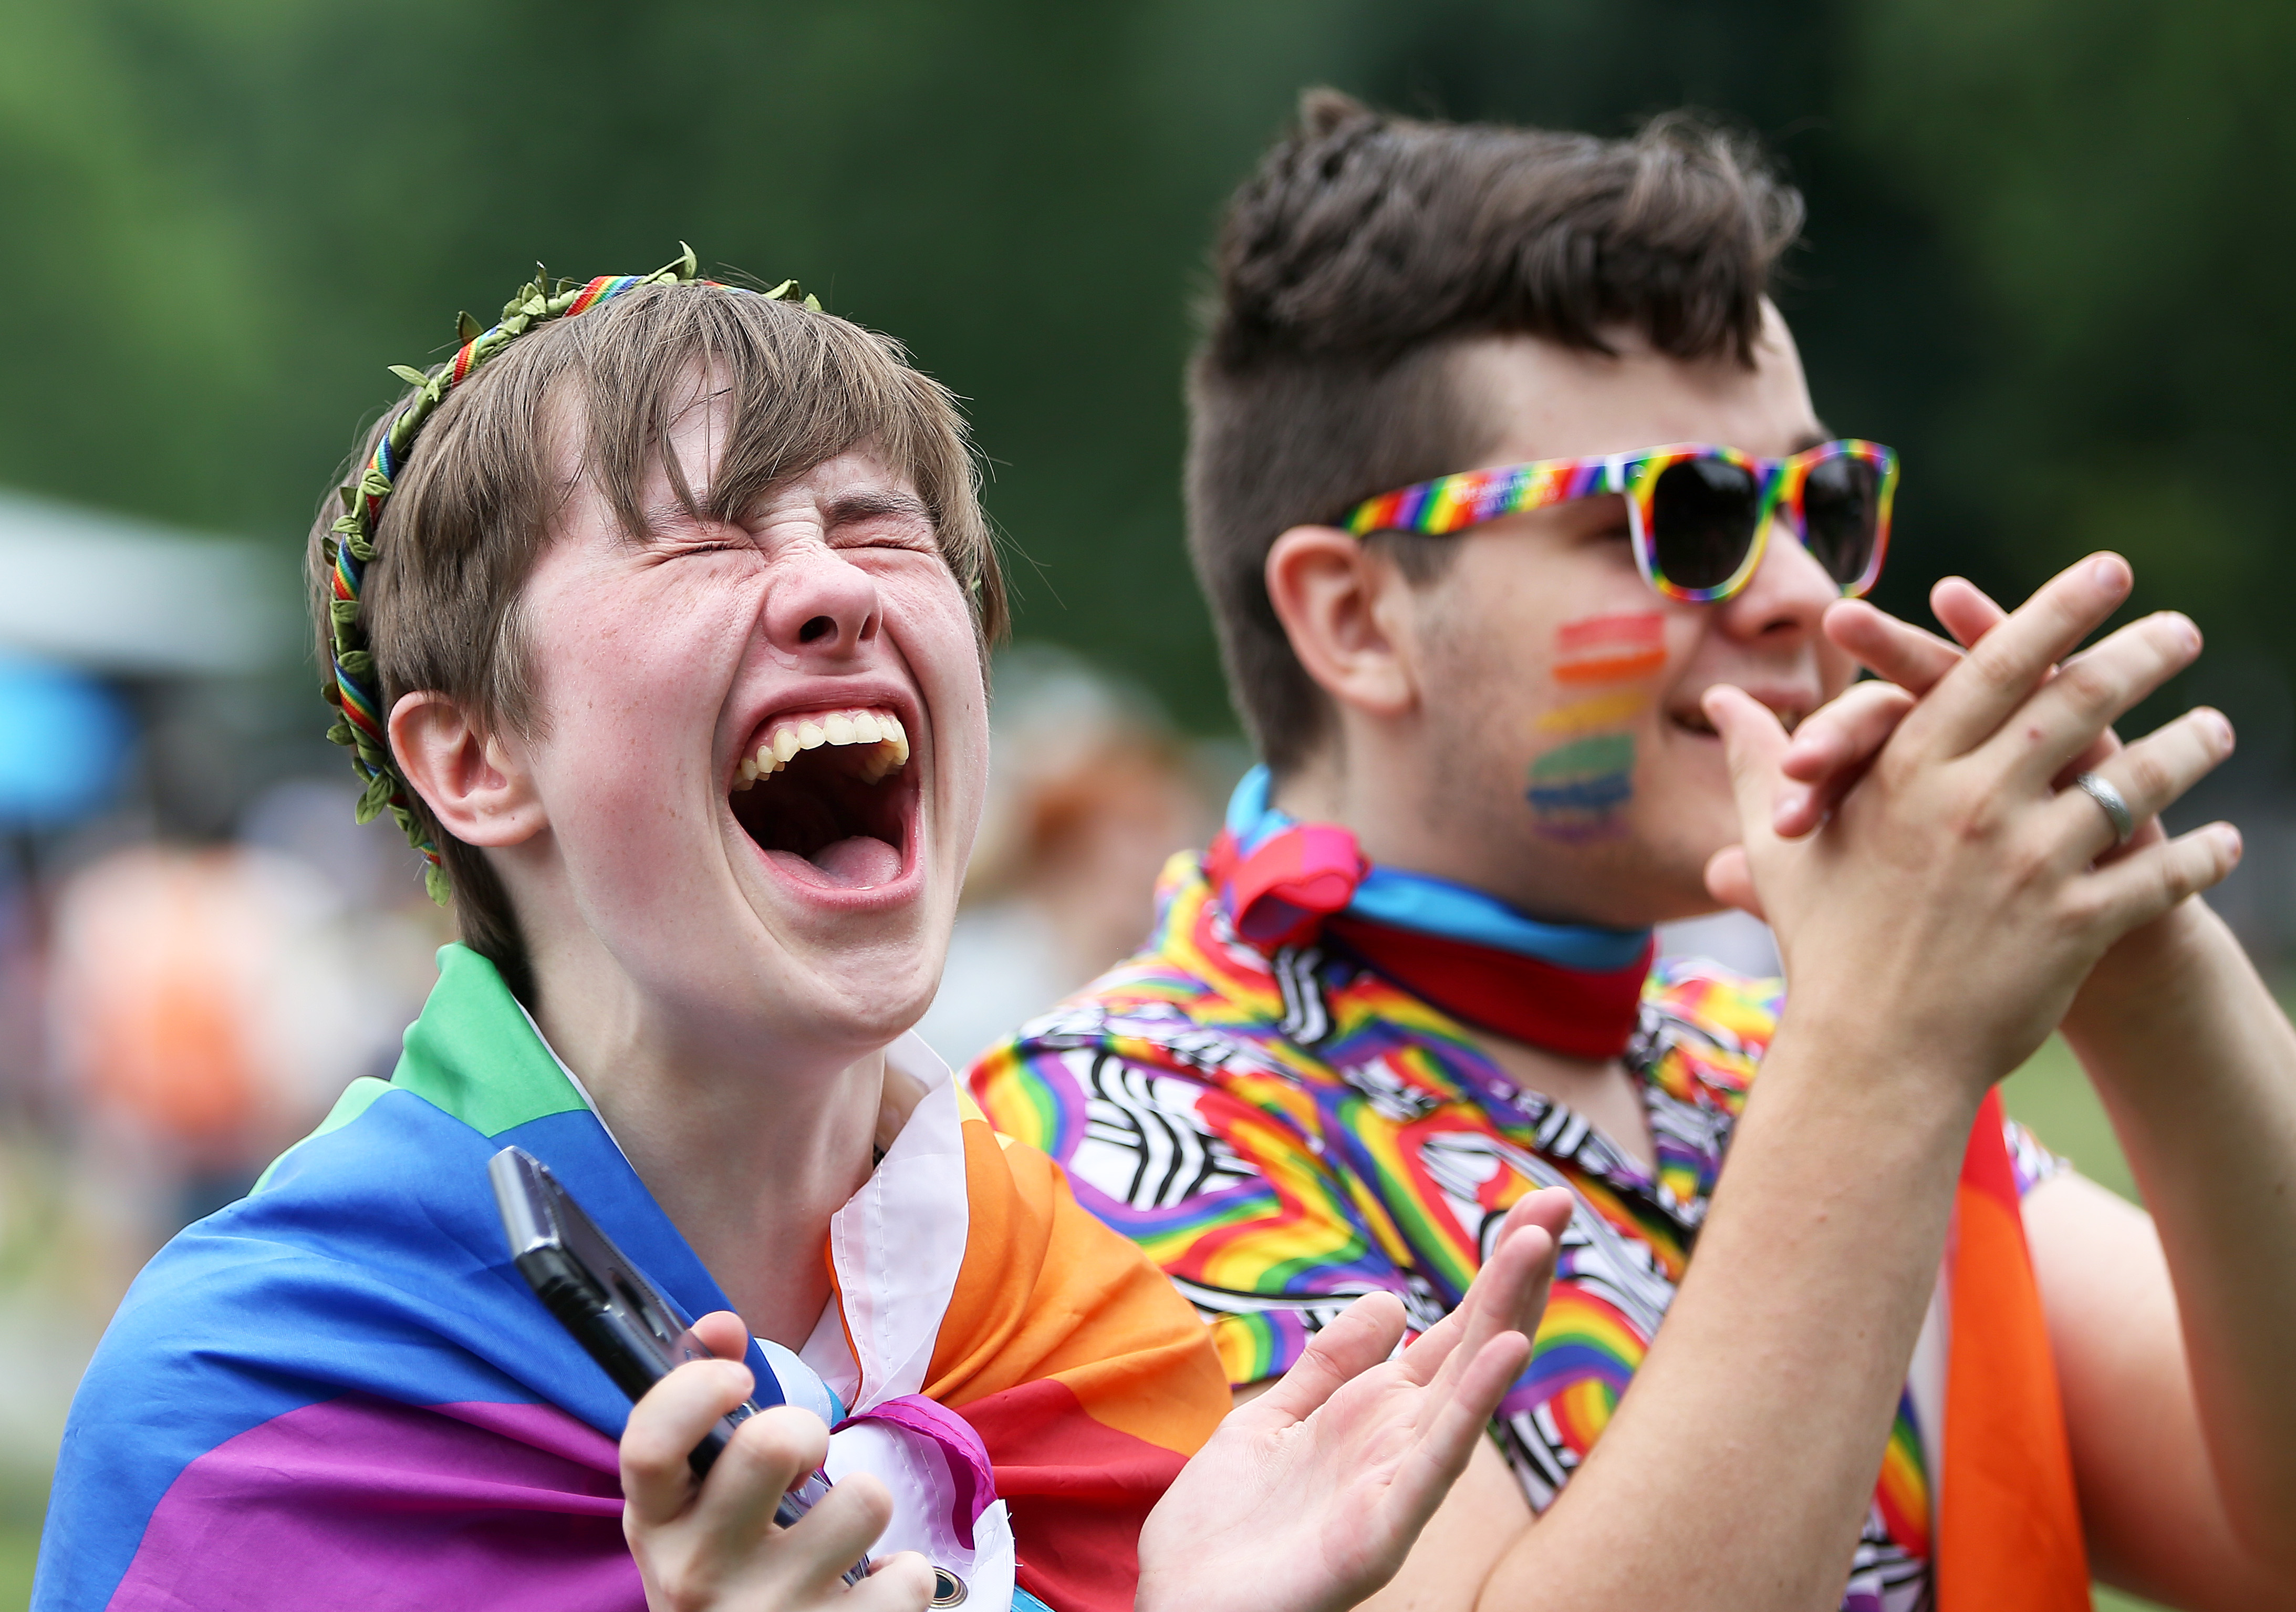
{"x":897,"y":534}
{"x":695,"y":545}
{"x":882,"y":518}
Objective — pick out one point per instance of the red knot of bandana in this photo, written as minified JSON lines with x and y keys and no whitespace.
{"x":1280,"y":894}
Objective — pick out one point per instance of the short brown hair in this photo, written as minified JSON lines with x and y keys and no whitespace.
{"x":1352,"y":265}
{"x":477,"y":497}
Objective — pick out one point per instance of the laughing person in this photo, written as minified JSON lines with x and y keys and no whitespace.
{"x":656,"y":618}
{"x":1507,"y":493}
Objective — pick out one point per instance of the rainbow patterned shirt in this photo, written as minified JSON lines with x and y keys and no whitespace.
{"x":1285,"y":1132}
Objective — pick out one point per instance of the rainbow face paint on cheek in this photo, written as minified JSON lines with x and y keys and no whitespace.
{"x":1613,"y":709}
{"x":1576,"y":791}
{"x":1609,"y":649}
{"x":1580,"y":789}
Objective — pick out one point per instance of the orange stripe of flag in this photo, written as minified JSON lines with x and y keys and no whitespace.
{"x":2009,"y":1530}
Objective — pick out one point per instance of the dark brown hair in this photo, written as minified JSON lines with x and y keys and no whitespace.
{"x":1353,"y":265}
{"x":478,"y":495}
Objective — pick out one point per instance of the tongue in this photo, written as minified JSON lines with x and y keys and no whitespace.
{"x":859,"y":862}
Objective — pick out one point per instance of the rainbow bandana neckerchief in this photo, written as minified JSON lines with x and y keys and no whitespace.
{"x":338,"y":1393}
{"x":1570,"y":988}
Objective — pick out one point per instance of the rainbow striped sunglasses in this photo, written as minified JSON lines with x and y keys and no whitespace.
{"x":1700,"y":514}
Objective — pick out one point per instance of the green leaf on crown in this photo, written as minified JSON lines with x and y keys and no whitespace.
{"x":375,"y":797}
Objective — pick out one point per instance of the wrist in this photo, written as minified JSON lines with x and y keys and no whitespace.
{"x":2158,"y":966}
{"x":1860,"y":1066}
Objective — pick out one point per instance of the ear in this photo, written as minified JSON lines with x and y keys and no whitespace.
{"x":1344,"y":607}
{"x":475,"y":785}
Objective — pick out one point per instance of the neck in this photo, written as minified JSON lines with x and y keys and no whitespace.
{"x":1410,"y":809}
{"x":749,"y":1141}
{"x":1321,"y":791}
{"x":1405,"y":808}
{"x":1573,"y":989}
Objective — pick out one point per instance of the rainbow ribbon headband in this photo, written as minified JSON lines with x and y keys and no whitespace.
{"x":351,"y":684}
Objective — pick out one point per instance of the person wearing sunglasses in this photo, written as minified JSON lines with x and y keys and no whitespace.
{"x":1535,"y":574}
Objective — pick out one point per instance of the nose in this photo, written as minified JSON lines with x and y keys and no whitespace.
{"x":1782,"y":605}
{"x":819,"y":606}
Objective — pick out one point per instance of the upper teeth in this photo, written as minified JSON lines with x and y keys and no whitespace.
{"x":880,"y":729}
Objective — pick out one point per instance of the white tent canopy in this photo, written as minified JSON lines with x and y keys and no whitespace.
{"x":115,"y":595}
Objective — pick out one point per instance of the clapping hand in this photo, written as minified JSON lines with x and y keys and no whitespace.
{"x":1310,"y":1496}
{"x":1940,"y":800}
{"x":1832,"y":750}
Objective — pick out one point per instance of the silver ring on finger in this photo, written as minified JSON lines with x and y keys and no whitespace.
{"x":2110,"y":801}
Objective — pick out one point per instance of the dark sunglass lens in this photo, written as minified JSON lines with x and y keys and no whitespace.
{"x":1841,"y":509}
{"x":1702,"y":521}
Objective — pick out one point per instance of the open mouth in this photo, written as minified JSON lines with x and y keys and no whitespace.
{"x":826,"y":795}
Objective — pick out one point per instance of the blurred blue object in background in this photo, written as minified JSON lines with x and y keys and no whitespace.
{"x":63,"y":740}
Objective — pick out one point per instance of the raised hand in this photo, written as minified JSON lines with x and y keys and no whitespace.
{"x":1309,"y":1497}
{"x":714,"y":1544}
{"x":1960,"y":831}
{"x":1833,"y":750}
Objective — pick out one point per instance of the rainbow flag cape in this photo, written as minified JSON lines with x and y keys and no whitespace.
{"x":338,"y":1392}
{"x":2009,"y":1528}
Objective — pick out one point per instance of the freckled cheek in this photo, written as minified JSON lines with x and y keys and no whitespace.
{"x":622,"y":693}
{"x":628,"y":714}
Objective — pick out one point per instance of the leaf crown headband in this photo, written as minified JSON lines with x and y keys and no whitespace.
{"x":351,"y":684}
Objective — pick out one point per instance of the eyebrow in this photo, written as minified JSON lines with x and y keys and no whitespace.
{"x":669,"y":516}
{"x":862,"y":505}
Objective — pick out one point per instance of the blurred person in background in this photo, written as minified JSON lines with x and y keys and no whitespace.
{"x":1527,"y":548}
{"x":656,"y":618}
{"x":1089,"y":792}
{"x":171,"y":1017}
{"x":206,"y":1005}
{"x":22,"y":1030}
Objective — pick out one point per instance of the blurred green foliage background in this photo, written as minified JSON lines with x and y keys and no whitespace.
{"x":2047,"y":244}
{"x":2046,"y":258}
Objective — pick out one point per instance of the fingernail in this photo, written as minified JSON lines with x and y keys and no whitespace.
{"x":2109,"y":571}
{"x":1791,"y":804}
{"x":2188,"y":632}
{"x":2233,"y":844}
{"x":2220,"y":731}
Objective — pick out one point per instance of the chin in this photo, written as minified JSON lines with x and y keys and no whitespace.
{"x":794,"y":999}
{"x":879,"y":991}
{"x":1654,"y":872}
